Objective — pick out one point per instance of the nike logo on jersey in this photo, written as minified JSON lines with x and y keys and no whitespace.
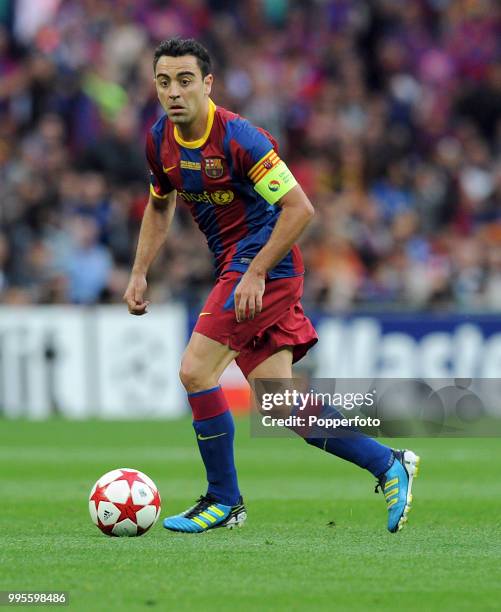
{"x":169,"y":169}
{"x":203,"y":314}
{"x":200,"y":437}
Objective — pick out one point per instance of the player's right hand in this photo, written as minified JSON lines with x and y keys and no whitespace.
{"x":134,"y":295}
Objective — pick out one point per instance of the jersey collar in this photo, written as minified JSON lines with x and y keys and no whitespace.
{"x":195,"y":144}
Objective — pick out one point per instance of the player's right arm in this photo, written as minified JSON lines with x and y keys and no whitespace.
{"x":154,"y":227}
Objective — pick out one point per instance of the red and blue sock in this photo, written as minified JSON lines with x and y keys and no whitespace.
{"x":215,"y":433}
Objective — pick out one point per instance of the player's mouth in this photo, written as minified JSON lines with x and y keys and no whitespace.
{"x":176,"y":109}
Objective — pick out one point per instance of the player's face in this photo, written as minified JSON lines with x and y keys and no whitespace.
{"x":181,"y":89}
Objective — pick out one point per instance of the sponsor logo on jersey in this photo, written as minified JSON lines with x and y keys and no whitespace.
{"x":224,"y":196}
{"x":184,"y":165}
{"x":190,"y":165}
{"x":274,"y":185}
{"x":214,"y":167}
{"x":220,"y":197}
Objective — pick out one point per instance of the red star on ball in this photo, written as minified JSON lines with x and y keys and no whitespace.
{"x":99,"y":496}
{"x":127,"y":511}
{"x":131,"y":478}
{"x":107,"y":529}
{"x":156,"y":500}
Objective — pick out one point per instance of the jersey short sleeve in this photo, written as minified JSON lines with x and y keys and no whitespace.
{"x":160,"y":185}
{"x":256,"y":157}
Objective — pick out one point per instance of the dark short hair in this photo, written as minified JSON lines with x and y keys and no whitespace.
{"x":177,"y":47}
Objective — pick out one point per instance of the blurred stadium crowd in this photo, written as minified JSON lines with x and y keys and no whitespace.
{"x":387,"y":111}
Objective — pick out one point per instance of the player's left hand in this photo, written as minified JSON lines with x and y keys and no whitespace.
{"x":249,"y":296}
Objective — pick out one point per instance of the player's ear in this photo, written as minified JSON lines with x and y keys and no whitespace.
{"x":208,"y":80}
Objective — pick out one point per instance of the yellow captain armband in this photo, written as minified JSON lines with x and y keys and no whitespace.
{"x":275,"y":183}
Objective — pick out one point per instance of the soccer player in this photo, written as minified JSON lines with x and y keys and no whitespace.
{"x":252,"y":211}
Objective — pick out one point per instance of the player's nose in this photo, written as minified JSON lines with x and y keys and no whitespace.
{"x":173,"y":91}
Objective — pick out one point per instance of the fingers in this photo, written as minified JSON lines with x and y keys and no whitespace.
{"x":247,"y":306}
{"x":138,"y":308}
{"x":240,"y":306}
{"x":259,"y":303}
{"x":237,"y":304}
{"x":248,"y":299}
{"x":252,"y":306}
{"x":135,"y":303}
{"x":137,"y":295}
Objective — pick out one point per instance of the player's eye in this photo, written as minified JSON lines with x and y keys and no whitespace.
{"x":185,"y":82}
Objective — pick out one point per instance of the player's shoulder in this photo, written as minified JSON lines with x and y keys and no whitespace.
{"x":157,"y":129}
{"x":226,"y":116}
{"x":241,"y":129}
{"x":235,"y":122}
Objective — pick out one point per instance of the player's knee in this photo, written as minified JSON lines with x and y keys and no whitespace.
{"x":188,"y":375}
{"x":193,"y":378}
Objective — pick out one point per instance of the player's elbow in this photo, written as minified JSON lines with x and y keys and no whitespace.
{"x":297,"y":200}
{"x":309,"y":211}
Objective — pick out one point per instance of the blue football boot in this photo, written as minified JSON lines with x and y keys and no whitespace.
{"x":396,"y":484}
{"x":207,"y":514}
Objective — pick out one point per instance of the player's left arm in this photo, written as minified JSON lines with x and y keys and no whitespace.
{"x":295,"y":215}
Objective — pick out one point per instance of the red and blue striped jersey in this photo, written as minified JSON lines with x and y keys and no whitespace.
{"x":215,"y":177}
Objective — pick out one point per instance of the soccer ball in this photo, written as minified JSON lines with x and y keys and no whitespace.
{"x":124,"y":502}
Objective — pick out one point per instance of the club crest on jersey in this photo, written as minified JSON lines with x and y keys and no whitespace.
{"x":214,"y":167}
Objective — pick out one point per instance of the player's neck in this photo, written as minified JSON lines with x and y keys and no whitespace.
{"x":196,"y":129}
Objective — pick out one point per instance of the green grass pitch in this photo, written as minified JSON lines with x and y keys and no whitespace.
{"x":315,"y":538}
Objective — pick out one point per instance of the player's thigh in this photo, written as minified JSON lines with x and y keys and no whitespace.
{"x":278,"y":365}
{"x":203,"y":362}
